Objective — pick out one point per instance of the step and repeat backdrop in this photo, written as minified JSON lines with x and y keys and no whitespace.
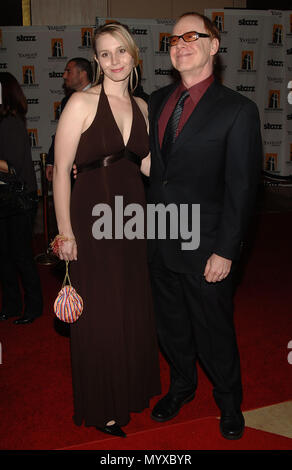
{"x":255,"y":57}
{"x":37,"y":57}
{"x":256,"y":60}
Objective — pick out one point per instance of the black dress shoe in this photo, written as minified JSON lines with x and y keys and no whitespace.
{"x":168,"y":407}
{"x":113,"y":430}
{"x":25,"y":320}
{"x":232,"y":425}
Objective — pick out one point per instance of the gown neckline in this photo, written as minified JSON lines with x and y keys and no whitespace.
{"x":120,"y":133}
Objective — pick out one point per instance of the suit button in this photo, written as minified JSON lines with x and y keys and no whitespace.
{"x":165,"y":182}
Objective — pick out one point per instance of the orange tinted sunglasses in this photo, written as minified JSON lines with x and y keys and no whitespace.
{"x":187,"y":37}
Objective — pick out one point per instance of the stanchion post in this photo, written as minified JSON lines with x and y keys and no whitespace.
{"x":46,"y":257}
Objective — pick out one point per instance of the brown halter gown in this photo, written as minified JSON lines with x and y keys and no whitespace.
{"x":115,"y":368}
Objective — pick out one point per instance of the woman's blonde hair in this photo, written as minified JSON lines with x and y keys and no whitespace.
{"x":118,"y":31}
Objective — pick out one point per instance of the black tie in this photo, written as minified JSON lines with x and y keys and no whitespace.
{"x":171,"y":128}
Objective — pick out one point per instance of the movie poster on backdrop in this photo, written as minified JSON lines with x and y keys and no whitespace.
{"x":274,"y":132}
{"x":253,"y":57}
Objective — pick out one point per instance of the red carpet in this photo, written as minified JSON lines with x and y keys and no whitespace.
{"x":36,"y":395}
{"x":200,"y":434}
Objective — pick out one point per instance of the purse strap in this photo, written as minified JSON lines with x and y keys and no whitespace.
{"x":67,"y":275}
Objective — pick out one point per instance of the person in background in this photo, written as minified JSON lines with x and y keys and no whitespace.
{"x":16,"y":231}
{"x":206,"y":149}
{"x":78,"y":76}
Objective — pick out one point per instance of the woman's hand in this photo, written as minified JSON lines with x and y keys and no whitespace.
{"x":65,"y":247}
{"x":68,"y":250}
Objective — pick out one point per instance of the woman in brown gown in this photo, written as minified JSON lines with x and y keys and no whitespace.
{"x":114,"y":352}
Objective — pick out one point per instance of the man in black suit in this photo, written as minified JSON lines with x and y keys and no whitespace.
{"x":214,"y":161}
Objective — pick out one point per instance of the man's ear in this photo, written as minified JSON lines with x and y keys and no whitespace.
{"x":214,"y":46}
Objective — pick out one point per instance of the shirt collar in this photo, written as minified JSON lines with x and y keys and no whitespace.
{"x":197,"y":90}
{"x":87,"y":87}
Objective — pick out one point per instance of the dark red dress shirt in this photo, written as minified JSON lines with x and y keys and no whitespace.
{"x":196,"y":93}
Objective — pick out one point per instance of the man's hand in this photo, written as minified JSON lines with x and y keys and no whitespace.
{"x":217,"y":268}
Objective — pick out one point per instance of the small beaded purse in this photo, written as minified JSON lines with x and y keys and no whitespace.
{"x":68,"y":305}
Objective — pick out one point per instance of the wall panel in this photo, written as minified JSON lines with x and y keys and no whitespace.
{"x":76,"y":12}
{"x":140,"y":9}
{"x":67,"y":12}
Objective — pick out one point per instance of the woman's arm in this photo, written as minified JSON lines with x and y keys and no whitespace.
{"x":66,"y":142}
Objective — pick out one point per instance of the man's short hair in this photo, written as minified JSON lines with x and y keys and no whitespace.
{"x":84,"y":64}
{"x":209,"y":25}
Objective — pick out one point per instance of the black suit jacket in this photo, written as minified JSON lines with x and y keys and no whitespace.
{"x":215,"y":162}
{"x":51,"y":153}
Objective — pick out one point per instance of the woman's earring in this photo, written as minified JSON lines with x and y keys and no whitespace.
{"x":134,"y":72}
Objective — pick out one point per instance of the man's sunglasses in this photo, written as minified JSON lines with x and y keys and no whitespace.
{"x":187,"y":37}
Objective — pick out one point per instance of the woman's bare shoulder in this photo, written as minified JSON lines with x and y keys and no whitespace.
{"x":94,"y":90}
{"x":80,"y":101}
